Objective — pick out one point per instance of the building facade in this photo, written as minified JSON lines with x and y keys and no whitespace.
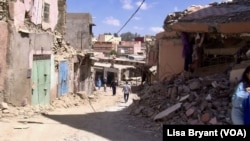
{"x":79,"y":30}
{"x":26,"y":47}
{"x":128,"y":47}
{"x":104,"y":47}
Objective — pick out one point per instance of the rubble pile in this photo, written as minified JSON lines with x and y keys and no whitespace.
{"x":61,"y":48}
{"x":186,"y":100}
{"x":69,"y":100}
{"x":28,"y":111}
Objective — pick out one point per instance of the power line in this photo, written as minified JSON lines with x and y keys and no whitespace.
{"x":131,"y":16}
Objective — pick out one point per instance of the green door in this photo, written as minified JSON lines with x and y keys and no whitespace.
{"x":41,"y":82}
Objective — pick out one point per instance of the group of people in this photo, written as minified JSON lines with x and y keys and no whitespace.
{"x":126,"y":89}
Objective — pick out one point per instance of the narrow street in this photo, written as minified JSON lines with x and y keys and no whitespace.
{"x":105,"y":119}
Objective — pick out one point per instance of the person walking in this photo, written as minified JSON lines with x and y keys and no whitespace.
{"x":241,"y":94}
{"x":126,"y":90}
{"x":113,"y":86}
{"x":99,"y":83}
{"x":104,"y":83}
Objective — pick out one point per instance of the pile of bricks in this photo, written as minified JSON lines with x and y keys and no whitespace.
{"x":187,"y":100}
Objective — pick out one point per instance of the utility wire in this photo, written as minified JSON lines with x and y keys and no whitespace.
{"x":129,"y":18}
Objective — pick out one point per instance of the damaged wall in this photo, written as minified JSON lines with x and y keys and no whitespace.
{"x":78,"y":30}
{"x":3,"y":49}
{"x":53,"y":15}
{"x":19,"y":62}
{"x":88,"y":76}
{"x":35,"y":11}
{"x":83,"y":76}
{"x":28,"y":45}
{"x":171,"y":61}
{"x":17,"y":13}
{"x":152,"y":58}
{"x":17,"y":83}
{"x":61,"y":24}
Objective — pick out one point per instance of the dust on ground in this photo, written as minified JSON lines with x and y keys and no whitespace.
{"x":102,"y":119}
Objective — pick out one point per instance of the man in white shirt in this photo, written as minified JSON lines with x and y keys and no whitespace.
{"x":126,"y":90}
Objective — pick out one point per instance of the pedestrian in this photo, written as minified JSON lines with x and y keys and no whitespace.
{"x":126,"y":90}
{"x":241,"y":94}
{"x":104,"y":83}
{"x":99,"y":83}
{"x":113,"y":86}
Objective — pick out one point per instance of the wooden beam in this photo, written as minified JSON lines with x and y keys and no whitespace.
{"x":237,"y":27}
{"x":190,"y":27}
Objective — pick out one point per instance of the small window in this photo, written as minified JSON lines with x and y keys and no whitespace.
{"x":46,"y":12}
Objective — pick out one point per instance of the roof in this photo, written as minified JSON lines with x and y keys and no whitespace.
{"x":107,"y":65}
{"x":123,"y":60}
{"x":208,"y":18}
{"x":218,"y":14}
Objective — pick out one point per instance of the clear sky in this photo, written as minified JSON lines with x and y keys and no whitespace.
{"x":110,"y":15}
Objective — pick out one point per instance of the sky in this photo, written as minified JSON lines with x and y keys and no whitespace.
{"x":110,"y":16}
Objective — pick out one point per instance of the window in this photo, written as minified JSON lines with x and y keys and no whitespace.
{"x":46,"y":12}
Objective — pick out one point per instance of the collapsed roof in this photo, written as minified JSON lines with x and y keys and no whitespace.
{"x":215,"y":17}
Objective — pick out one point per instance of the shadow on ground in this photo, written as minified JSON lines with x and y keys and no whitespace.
{"x":115,"y":126}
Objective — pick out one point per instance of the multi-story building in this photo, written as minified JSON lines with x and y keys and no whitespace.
{"x":79,"y":30}
{"x":106,"y":44}
{"x":128,"y":47}
{"x":104,"y":47}
{"x":109,"y":38}
{"x":36,"y":63}
{"x":27,"y":60}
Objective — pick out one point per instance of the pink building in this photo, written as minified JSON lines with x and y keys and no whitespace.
{"x":104,"y":47}
{"x":129,"y":47}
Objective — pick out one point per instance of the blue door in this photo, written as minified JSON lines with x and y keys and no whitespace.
{"x":63,"y":78}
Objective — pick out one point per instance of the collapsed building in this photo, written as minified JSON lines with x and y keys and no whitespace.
{"x":200,"y":57}
{"x":216,"y":35}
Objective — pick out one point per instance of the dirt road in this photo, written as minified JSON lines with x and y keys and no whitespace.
{"x":105,"y":119}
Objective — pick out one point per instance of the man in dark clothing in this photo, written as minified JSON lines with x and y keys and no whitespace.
{"x":113,"y":86}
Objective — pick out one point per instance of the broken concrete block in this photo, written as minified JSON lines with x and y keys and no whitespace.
{"x":183,"y":98}
{"x":205,"y":117}
{"x":195,"y":85}
{"x":213,"y":121}
{"x":190,"y":111}
{"x":4,"y":105}
{"x":168,"y":111}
